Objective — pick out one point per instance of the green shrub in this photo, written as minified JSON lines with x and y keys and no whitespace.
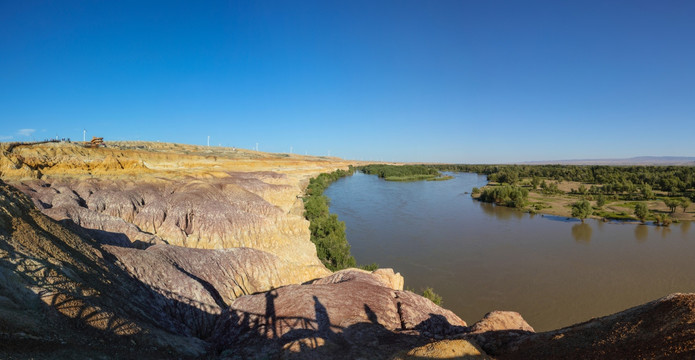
{"x":508,"y":195}
{"x":370,"y":267}
{"x":641,"y":211}
{"x":600,"y":200}
{"x":582,"y":210}
{"x":434,"y":297}
{"x":327,"y":232}
{"x":401,"y":172}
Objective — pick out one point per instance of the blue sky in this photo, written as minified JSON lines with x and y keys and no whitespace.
{"x":445,"y":81}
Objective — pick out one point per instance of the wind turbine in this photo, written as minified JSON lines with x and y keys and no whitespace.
{"x":84,"y":135}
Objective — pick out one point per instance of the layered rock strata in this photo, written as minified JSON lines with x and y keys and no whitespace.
{"x":213,"y":213}
{"x":59,"y":281}
{"x":168,"y":251}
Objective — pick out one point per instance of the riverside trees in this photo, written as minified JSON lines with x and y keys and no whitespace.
{"x":672,"y":204}
{"x":597,"y":182}
{"x":508,"y":195}
{"x":327,"y":232}
{"x":641,"y":211}
{"x":629,"y":181}
{"x":618,"y":185}
{"x":401,"y":172}
{"x":582,"y":210}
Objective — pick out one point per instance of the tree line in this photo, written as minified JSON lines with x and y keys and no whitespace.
{"x":327,"y":232}
{"x":505,"y":194}
{"x":607,"y":179}
{"x":401,"y":172}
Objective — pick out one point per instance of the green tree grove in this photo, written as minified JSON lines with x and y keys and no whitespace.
{"x":582,"y":210}
{"x":641,"y":211}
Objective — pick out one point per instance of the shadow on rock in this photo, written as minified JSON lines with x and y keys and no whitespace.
{"x":345,"y":316}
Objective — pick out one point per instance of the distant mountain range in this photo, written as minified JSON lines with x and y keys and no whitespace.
{"x":639,"y":160}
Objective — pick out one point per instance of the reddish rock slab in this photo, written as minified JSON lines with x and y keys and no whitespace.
{"x":330,"y":305}
{"x":661,"y":329}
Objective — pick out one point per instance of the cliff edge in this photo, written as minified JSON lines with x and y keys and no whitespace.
{"x":168,"y":251}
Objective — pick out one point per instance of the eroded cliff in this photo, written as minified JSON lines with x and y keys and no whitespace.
{"x":174,"y":251}
{"x":62,"y":289}
{"x":183,"y":195}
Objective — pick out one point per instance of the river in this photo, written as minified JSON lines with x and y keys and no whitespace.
{"x":480,"y":257}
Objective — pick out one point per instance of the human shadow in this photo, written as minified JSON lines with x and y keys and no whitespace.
{"x":369,"y":339}
{"x":371,"y":315}
{"x":438,"y":325}
{"x":270,"y":317}
{"x":317,"y":336}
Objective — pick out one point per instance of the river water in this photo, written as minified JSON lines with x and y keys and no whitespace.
{"x":481,"y":257}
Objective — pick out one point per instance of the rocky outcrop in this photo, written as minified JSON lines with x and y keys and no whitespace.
{"x":445,"y":349}
{"x":61,"y":290}
{"x":245,"y":282}
{"x":392,"y":279}
{"x":500,"y":321}
{"x":381,"y":277}
{"x":211,"y":213}
{"x":347,"y":311}
{"x":339,"y":301}
{"x":661,"y":329}
{"x":64,"y":289}
{"x":208,"y":279}
{"x":192,"y":196}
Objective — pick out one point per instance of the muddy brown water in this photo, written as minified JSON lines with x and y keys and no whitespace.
{"x":481,"y":257}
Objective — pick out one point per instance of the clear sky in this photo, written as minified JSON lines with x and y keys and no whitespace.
{"x":446,"y":81}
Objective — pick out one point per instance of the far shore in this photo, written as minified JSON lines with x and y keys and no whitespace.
{"x":614,"y":210}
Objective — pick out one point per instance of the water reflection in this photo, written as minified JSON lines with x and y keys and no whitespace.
{"x":685,"y":226}
{"x":582,"y":232}
{"x":559,"y":218}
{"x":599,"y":225}
{"x":488,"y":209}
{"x":641,"y":233}
{"x":665,"y":231}
{"x":500,"y":212}
{"x":514,"y":261}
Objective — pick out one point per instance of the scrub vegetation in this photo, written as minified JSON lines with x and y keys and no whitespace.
{"x":327,"y":232}
{"x":505,"y":194}
{"x":608,"y":192}
{"x":433,"y":296}
{"x":620,"y":180}
{"x":403,"y":172}
{"x":611,"y":192}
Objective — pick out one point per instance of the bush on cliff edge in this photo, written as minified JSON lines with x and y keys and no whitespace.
{"x":327,"y":232}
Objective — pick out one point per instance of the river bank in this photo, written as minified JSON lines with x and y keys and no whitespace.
{"x":479,"y":256}
{"x":180,"y":251}
{"x":559,"y":203}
